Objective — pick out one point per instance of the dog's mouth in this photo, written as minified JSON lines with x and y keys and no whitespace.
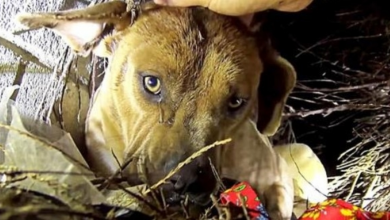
{"x":175,"y":200}
{"x":199,"y":200}
{"x":200,"y":197}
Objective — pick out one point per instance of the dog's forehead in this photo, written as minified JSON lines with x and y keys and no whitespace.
{"x":192,"y":45}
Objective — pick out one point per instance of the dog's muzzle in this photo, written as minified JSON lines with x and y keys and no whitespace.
{"x":195,"y":180}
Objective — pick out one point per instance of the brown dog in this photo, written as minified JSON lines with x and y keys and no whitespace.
{"x":180,"y":79}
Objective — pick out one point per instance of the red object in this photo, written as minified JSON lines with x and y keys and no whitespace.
{"x":248,"y":195}
{"x":338,"y":209}
{"x":331,"y":209}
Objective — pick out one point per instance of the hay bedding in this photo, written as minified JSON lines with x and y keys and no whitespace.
{"x":340,"y":51}
{"x":341,"y":104}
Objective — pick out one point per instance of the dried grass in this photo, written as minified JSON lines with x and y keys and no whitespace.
{"x":11,"y":207}
{"x":341,"y":52}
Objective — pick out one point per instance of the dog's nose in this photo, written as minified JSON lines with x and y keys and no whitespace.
{"x":195,"y":179}
{"x":178,"y":183}
{"x":189,"y":181}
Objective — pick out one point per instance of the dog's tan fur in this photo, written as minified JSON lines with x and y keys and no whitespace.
{"x":309,"y":175}
{"x":251,"y":158}
{"x":202,"y":59}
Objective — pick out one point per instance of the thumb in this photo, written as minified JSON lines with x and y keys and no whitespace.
{"x":183,"y":3}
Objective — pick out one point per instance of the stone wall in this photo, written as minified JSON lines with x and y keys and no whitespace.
{"x":53,"y":85}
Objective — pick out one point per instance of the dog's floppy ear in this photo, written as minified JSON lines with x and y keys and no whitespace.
{"x":276,"y":83}
{"x":92,"y":29}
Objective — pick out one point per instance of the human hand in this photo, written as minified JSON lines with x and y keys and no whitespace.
{"x":240,"y":7}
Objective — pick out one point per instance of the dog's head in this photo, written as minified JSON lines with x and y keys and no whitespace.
{"x":179,"y":79}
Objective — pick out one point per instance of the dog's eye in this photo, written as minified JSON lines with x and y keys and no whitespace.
{"x":235,"y":103}
{"x":152,"y":84}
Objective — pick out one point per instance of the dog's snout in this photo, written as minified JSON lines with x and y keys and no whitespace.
{"x":190,"y":181}
{"x":195,"y":179}
{"x":178,"y":183}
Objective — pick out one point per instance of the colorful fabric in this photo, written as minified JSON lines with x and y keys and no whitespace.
{"x":331,"y":209}
{"x":252,"y":202}
{"x":338,"y":209}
